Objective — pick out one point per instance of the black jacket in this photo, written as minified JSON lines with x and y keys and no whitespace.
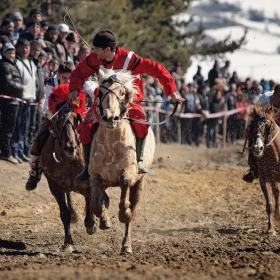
{"x":40,"y":80}
{"x":10,"y":80}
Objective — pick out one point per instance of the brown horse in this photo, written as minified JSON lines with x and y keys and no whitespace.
{"x":113,"y":153}
{"x":61,"y":159}
{"x":265,"y":139}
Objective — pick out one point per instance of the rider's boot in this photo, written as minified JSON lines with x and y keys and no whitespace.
{"x":83,"y":176}
{"x":253,"y":172}
{"x":35,"y":173}
{"x":140,"y":146}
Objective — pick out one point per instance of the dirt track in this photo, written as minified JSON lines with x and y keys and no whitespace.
{"x":196,"y":220}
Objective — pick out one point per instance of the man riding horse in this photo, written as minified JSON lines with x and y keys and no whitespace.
{"x":269,"y":98}
{"x":107,"y":55}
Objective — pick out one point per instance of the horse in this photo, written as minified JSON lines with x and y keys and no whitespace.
{"x":113,"y":153}
{"x":265,"y":139}
{"x":62,"y":159}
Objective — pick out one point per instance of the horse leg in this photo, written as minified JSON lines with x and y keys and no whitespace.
{"x":267,"y":191}
{"x":72,"y":208}
{"x":135,"y":194}
{"x":65,"y":216}
{"x":96,"y":192}
{"x":276,"y":193}
{"x":105,"y":222}
{"x":124,"y":210}
{"x":89,"y":222}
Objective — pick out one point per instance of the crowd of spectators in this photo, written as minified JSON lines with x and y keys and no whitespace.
{"x":31,"y":55}
{"x":221,"y":91}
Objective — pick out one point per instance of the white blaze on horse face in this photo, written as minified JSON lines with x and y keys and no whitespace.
{"x":259,"y":147}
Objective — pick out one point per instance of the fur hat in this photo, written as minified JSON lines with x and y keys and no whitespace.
{"x":105,"y":38}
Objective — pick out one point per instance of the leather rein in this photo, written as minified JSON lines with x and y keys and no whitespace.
{"x":57,"y":134}
{"x":124,"y":105}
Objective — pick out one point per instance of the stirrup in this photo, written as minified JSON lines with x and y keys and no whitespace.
{"x":141,"y":168}
{"x":248,"y":176}
{"x":83,"y":176}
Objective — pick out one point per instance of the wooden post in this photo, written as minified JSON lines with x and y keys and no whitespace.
{"x":225,"y":127}
{"x":157,"y":128}
{"x":179,"y":126}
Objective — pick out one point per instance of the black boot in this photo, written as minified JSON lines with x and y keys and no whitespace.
{"x":35,"y":173}
{"x":83,"y":176}
{"x":249,"y":176}
{"x":140,"y":145}
{"x":31,"y":183}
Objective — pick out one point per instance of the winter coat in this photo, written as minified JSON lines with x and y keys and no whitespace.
{"x":10,"y":81}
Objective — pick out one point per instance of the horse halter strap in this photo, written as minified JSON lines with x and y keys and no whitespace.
{"x":261,"y":123}
{"x":124,"y":105}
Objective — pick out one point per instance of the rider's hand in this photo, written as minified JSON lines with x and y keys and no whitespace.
{"x":73,"y":95}
{"x":176,"y":98}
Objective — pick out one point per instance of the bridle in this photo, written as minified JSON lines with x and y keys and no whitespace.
{"x":266,"y":140}
{"x":57,"y":133}
{"x":124,"y":103}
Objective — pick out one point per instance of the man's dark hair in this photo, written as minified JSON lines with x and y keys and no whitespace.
{"x":66,"y":67}
{"x":22,"y":42}
{"x":36,"y":43}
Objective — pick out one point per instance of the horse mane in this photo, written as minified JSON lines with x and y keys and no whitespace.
{"x":259,"y":111}
{"x":125,"y":77}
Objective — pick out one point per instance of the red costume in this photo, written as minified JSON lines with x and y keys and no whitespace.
{"x":124,"y":60}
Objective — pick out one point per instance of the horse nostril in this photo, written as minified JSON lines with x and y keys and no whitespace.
{"x":105,"y":119}
{"x":261,"y":148}
{"x":116,"y":119}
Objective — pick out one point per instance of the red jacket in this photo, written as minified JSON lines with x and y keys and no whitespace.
{"x":137,"y":65}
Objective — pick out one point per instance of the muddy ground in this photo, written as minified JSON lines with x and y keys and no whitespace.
{"x":196,"y":220}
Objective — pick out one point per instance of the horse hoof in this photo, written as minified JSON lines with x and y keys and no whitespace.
{"x":103,"y":224}
{"x":74,"y":218}
{"x":91,"y":230}
{"x":125,"y":217}
{"x":67,"y":248}
{"x":271,"y":232}
{"x":126,"y":250}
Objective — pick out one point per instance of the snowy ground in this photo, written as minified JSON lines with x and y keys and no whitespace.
{"x":258,"y":58}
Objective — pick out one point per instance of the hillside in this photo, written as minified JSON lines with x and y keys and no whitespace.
{"x":259,"y":57}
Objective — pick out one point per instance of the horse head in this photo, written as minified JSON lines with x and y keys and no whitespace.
{"x":116,"y":91}
{"x":262,"y":129}
{"x":64,"y":126}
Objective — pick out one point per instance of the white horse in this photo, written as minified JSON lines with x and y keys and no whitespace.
{"x":113,"y":153}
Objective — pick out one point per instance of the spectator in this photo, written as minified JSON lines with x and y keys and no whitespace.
{"x":234,"y":78}
{"x":18,"y":27}
{"x":176,"y":72}
{"x":35,"y":15}
{"x":215,"y":106}
{"x":62,"y":77}
{"x":198,"y":78}
{"x":231,"y":99}
{"x":27,"y":70}
{"x":214,"y":73}
{"x":240,"y":116}
{"x":53,"y":66}
{"x":83,"y":52}
{"x":7,"y":28}
{"x":11,"y":84}
{"x":257,"y":95}
{"x":70,"y":46}
{"x":42,"y":59}
{"x":36,"y":110}
{"x":225,"y":71}
{"x":33,"y":33}
{"x":51,"y":36}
